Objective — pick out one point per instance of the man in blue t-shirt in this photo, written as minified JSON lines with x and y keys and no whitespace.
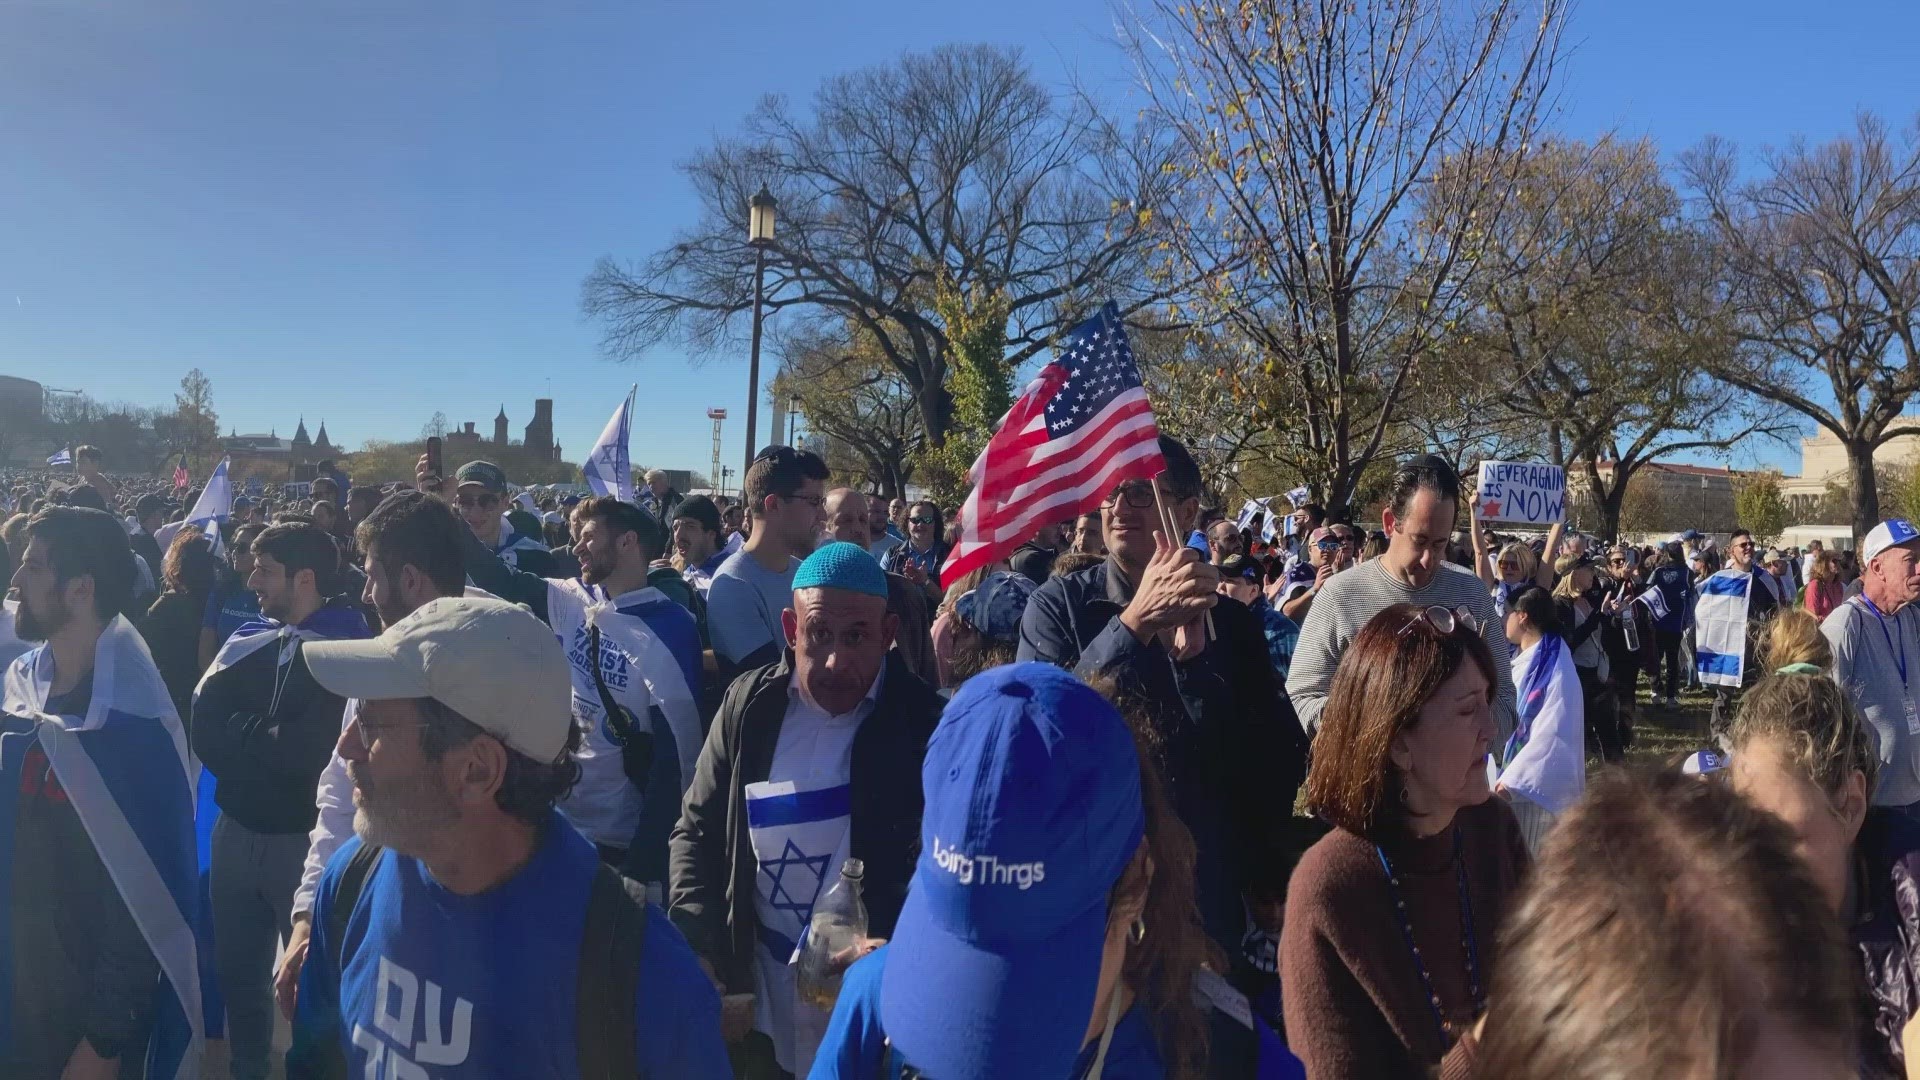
{"x":459,"y":955}
{"x":786,"y":494}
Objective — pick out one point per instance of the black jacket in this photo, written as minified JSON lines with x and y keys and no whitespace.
{"x":267,"y":762}
{"x":148,"y":548}
{"x":1885,"y":932}
{"x":1231,"y":750}
{"x":710,"y":859}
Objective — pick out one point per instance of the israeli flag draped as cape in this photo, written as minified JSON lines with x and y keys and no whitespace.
{"x":1720,"y":628}
{"x":656,"y":669}
{"x":125,"y":769}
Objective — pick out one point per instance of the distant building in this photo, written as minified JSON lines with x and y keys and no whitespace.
{"x":1823,"y":461}
{"x":1691,"y":496}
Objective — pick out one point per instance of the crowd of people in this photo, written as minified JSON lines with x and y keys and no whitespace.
{"x":455,"y":780}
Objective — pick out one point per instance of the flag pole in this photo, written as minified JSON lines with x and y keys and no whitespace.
{"x":1172,"y":528}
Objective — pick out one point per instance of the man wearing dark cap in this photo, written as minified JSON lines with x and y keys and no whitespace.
{"x":481,"y":499}
{"x":1234,"y":752}
{"x":1241,"y":578}
{"x":810,"y":762}
{"x":695,"y":541}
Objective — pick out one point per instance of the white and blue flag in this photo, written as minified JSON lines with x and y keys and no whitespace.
{"x":1720,"y":628}
{"x":64,"y":457}
{"x":607,"y":469}
{"x":1248,"y":509}
{"x":1297,"y":498}
{"x":210,"y":511}
{"x":1656,"y":602}
{"x":127,"y":773}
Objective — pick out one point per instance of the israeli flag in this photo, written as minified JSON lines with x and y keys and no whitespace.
{"x":607,"y":469}
{"x":64,"y":457}
{"x":1656,"y":602}
{"x":1720,"y":628}
{"x":1250,"y":508}
{"x":1297,"y":498}
{"x":209,"y":512}
{"x":126,"y":771}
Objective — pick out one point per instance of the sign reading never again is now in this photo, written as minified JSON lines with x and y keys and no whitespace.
{"x":1521,"y":491}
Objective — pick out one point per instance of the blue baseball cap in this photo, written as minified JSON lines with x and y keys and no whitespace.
{"x":1033,"y":811}
{"x":994,"y":606}
{"x":841,"y":565}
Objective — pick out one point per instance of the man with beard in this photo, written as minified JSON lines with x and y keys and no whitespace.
{"x":635,"y":657}
{"x":880,"y":538}
{"x":696,"y":541}
{"x":413,"y":544}
{"x":98,"y":890}
{"x":463,"y":878}
{"x":265,"y":730}
{"x":812,"y":758}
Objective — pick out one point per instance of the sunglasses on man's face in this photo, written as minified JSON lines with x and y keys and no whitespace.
{"x":482,"y":502}
{"x":919,"y":521}
{"x":1137,"y":495}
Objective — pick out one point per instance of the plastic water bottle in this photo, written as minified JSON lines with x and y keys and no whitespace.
{"x":1630,"y":626}
{"x":839,"y":923}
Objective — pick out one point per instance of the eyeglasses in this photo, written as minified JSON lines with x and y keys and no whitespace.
{"x":1138,"y":494}
{"x":1445,"y":620}
{"x":1328,"y":545}
{"x":1509,"y":566}
{"x":483,"y":502}
{"x":919,"y":521}
{"x":815,"y":501}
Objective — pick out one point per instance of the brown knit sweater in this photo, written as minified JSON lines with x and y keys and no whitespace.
{"x":1353,"y":999}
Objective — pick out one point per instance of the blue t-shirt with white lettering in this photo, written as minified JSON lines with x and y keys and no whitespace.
{"x":469,"y":987}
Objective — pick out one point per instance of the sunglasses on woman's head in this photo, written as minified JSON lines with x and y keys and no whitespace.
{"x":1445,"y":620}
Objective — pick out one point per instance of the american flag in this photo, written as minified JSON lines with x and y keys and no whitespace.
{"x":180,"y":477}
{"x":1081,"y":427}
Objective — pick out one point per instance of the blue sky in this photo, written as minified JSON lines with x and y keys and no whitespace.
{"x":364,"y":212}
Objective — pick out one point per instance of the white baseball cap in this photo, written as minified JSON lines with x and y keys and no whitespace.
{"x":492,"y":662}
{"x":1890,"y":533}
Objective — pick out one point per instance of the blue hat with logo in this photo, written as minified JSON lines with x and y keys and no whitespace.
{"x":841,"y":565}
{"x":1033,"y":810}
{"x":994,"y":606}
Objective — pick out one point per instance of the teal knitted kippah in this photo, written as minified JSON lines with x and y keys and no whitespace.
{"x":841,"y":565}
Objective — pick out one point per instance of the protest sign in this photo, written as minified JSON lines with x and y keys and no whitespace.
{"x":1522,"y":492}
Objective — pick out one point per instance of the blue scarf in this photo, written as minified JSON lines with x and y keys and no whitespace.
{"x":1533,"y":692}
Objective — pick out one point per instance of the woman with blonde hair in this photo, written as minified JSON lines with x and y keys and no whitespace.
{"x":1800,"y":750}
{"x":1795,"y":643}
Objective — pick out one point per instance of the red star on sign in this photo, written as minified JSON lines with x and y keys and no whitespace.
{"x":1490,"y":509}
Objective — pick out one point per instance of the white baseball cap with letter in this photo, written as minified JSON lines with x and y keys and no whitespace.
{"x":1892,"y":532}
{"x":492,"y":662}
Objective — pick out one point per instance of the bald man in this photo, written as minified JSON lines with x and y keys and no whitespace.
{"x":850,"y":519}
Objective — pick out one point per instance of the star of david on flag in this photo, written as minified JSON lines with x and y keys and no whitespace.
{"x":607,"y":469}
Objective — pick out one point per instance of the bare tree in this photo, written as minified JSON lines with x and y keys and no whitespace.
{"x":1596,"y":318}
{"x":436,"y":426}
{"x":951,"y":166}
{"x":1821,"y":260}
{"x":1308,"y":127}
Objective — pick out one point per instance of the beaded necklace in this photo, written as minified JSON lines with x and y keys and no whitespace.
{"x":1467,"y":940}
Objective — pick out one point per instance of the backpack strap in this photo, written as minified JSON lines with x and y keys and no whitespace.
{"x":353,"y":881}
{"x":306,"y":1061}
{"x":610,"y":948}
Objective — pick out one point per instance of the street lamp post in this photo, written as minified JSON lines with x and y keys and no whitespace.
{"x":759,"y":234}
